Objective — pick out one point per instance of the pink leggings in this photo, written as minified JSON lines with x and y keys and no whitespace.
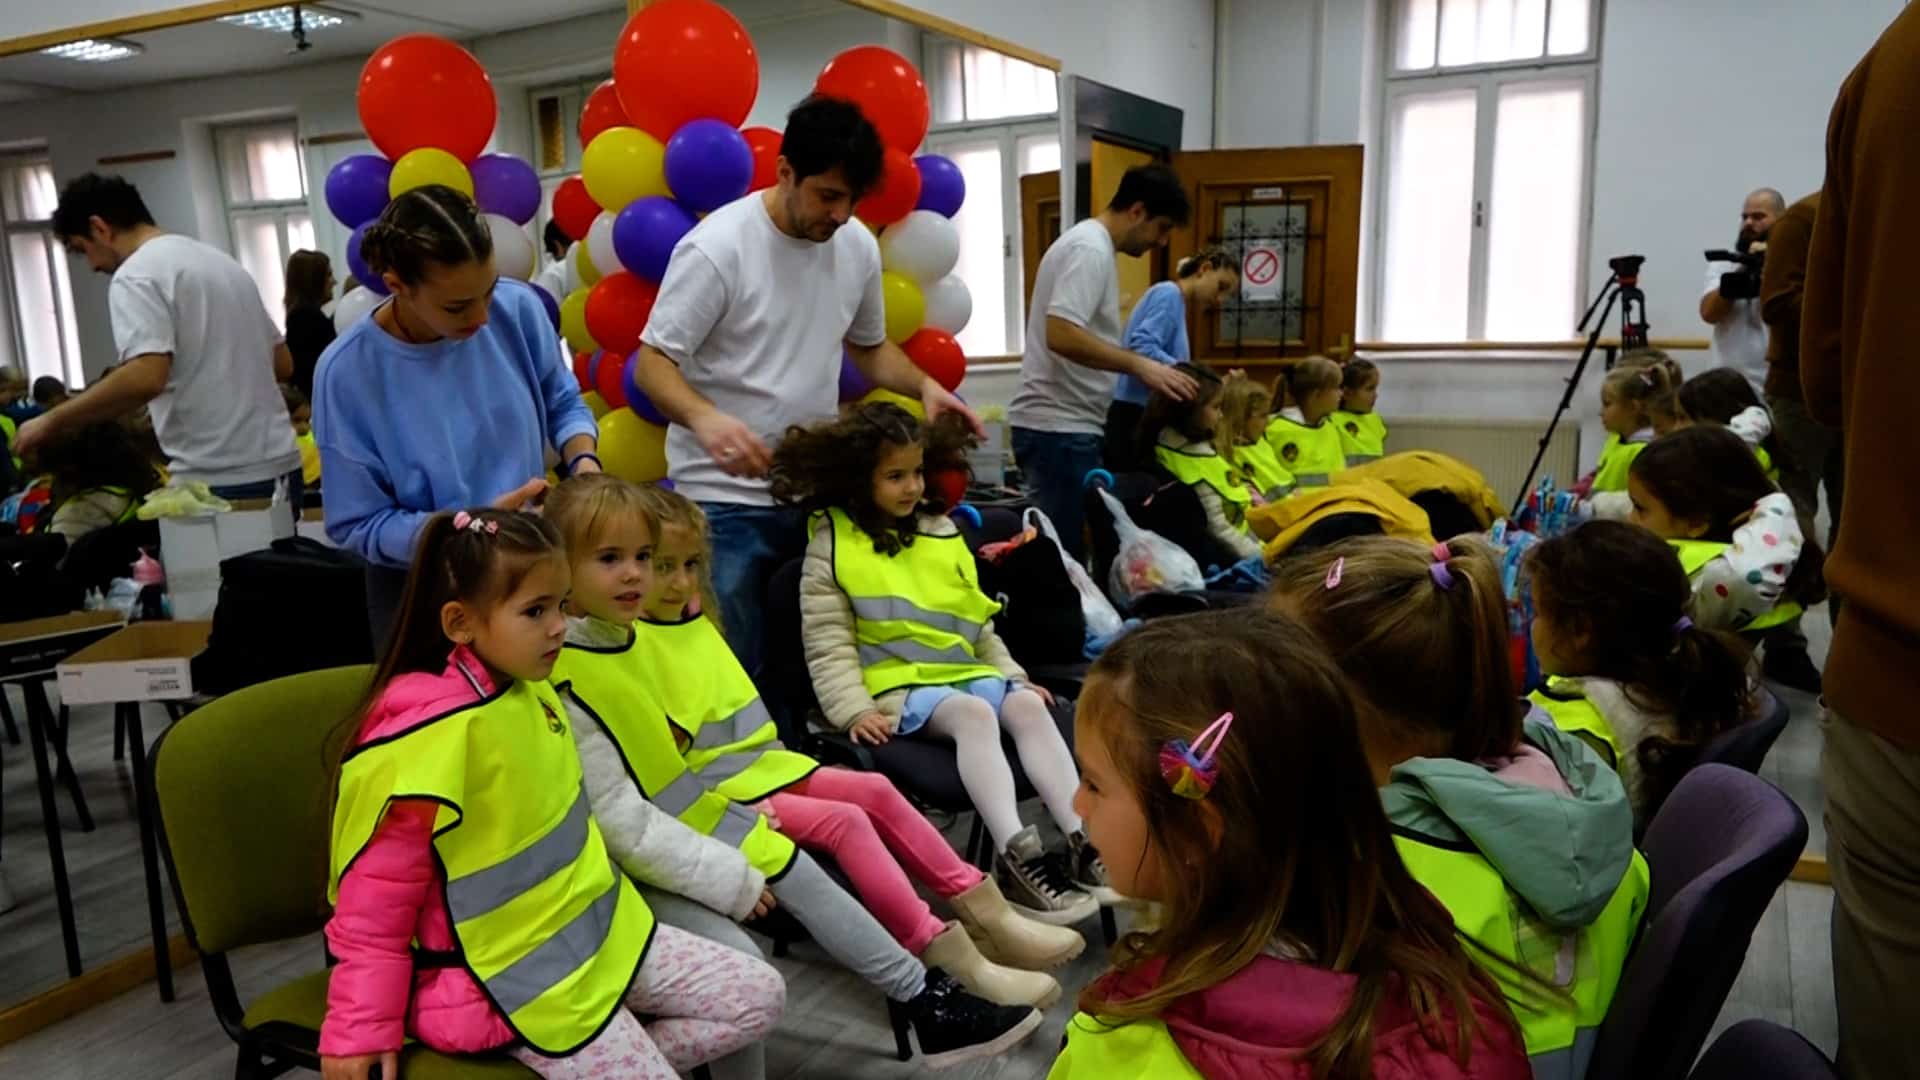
{"x":871,"y":830}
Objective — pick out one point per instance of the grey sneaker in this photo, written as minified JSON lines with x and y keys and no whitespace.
{"x":1039,"y":882}
{"x":1088,"y":872}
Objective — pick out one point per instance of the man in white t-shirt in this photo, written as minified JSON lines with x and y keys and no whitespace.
{"x":1073,"y":355}
{"x":196,"y":347}
{"x":1739,"y":333}
{"x":745,"y":339}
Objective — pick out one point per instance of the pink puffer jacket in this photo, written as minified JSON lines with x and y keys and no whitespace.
{"x":393,"y":895}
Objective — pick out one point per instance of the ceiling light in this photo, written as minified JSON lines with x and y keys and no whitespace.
{"x":280,"y":20}
{"x":96,"y":50}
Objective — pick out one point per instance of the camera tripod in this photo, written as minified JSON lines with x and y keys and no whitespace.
{"x":1623,"y":286}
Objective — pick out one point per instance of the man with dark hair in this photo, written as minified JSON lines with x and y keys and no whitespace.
{"x":196,"y":347}
{"x":49,"y":392}
{"x":745,"y":340}
{"x":1073,"y":356}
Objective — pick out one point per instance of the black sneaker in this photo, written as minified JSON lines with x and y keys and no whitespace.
{"x":1088,"y":872}
{"x":1793,"y":670}
{"x":1040,"y":884}
{"x":953,"y":1026}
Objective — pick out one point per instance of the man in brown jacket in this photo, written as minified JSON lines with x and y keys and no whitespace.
{"x":1813,"y":455}
{"x":1860,"y":325}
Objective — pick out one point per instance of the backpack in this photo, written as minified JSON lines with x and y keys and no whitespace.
{"x":1040,"y":618}
{"x":296,"y":606}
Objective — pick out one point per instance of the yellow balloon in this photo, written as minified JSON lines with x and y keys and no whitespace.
{"x":632,"y":449}
{"x":583,"y":264}
{"x":918,"y":410}
{"x":906,"y":307}
{"x":623,"y":164}
{"x":429,"y":165}
{"x":597,"y":403}
{"x":573,"y":322}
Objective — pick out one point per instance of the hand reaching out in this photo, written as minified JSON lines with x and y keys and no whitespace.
{"x":1165,"y":380}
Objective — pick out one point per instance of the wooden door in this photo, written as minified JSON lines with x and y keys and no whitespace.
{"x":1291,"y":219}
{"x":1039,"y":227}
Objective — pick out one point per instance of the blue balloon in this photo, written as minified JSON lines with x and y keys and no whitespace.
{"x":645,"y":233}
{"x":357,"y":188}
{"x":547,"y":301}
{"x":708,"y":164}
{"x":637,"y":399}
{"x":942,"y":187}
{"x":357,"y":265}
{"x":505,"y":185}
{"x":854,"y":383}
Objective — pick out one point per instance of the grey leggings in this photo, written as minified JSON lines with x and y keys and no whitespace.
{"x":847,"y":931}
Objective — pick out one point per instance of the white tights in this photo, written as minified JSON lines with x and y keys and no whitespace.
{"x":969,"y":723}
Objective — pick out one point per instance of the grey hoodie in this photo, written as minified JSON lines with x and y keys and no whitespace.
{"x":1563,"y":854}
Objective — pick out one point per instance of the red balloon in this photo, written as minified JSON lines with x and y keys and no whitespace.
{"x":574,"y":209}
{"x":420,"y":90}
{"x":681,"y":60}
{"x":611,"y":377}
{"x":935,"y":352}
{"x":888,"y":90}
{"x":617,"y":311}
{"x":582,"y":366}
{"x":898,"y":191}
{"x":602,"y":111}
{"x":765,"y":144}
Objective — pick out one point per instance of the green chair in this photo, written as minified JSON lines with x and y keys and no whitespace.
{"x":244,"y":799}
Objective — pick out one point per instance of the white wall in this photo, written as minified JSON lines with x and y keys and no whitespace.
{"x":19,"y":18}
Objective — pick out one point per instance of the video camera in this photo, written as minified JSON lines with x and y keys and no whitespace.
{"x":1744,"y":283}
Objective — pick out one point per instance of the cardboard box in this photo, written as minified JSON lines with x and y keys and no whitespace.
{"x":145,"y":661}
{"x":192,"y":548}
{"x":33,"y":646}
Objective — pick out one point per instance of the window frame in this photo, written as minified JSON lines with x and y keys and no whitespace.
{"x":1008,"y":136}
{"x":572,"y":94}
{"x":72,"y":361}
{"x":930,"y":46}
{"x":1486,"y":80}
{"x":281,"y":211}
{"x":1396,"y":34}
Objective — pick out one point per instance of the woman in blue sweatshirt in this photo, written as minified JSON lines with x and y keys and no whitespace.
{"x":1158,"y":329}
{"x":447,"y":395}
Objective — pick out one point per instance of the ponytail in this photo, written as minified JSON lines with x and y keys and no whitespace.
{"x":429,"y":225}
{"x":1207,"y":258}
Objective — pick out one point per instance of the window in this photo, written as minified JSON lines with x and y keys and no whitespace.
{"x":42,"y":337}
{"x":556,"y":138}
{"x":969,"y":84}
{"x":264,"y":179}
{"x":1488,"y":136}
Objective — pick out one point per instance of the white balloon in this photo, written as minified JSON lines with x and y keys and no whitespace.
{"x":353,"y":307}
{"x":923,"y":245}
{"x":949,"y":303}
{"x":600,"y":245}
{"x":512,"y":247}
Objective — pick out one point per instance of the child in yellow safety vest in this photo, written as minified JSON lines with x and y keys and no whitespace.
{"x":1302,"y":435}
{"x":1628,"y":671}
{"x":1179,"y":437}
{"x":900,"y":642}
{"x":475,"y":906}
{"x":1240,"y":437}
{"x":1421,"y":631}
{"x":1363,"y":435}
{"x":677,"y":747}
{"x":1641,"y":385}
{"x":1724,"y":396}
{"x":1210,"y":742}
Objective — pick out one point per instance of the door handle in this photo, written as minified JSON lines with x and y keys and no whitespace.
{"x":1344,"y":348}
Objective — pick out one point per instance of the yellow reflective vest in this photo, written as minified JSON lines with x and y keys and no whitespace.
{"x":1311,"y":454}
{"x":541,"y":915}
{"x":1696,"y":554}
{"x":1363,"y":436}
{"x":1198,"y":463}
{"x":1261,"y":466}
{"x":1616,"y":460}
{"x":730,"y":740}
{"x":615,"y":685}
{"x":1098,"y":1051}
{"x":917,"y":614}
{"x":11,"y":430}
{"x":1575,"y":715}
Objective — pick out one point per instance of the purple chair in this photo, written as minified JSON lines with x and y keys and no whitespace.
{"x":1758,"y":1050}
{"x":1718,"y":848}
{"x":1746,"y":746}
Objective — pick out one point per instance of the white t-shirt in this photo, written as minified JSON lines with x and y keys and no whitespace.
{"x":1077,"y":282}
{"x":756,"y":319}
{"x":1740,"y":339}
{"x":221,"y":419}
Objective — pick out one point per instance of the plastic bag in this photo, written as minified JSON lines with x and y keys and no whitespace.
{"x":1147,"y":562}
{"x":1102,"y":619}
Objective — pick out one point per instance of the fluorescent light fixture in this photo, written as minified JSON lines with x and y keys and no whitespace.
{"x":280,"y":20}
{"x":96,"y":50}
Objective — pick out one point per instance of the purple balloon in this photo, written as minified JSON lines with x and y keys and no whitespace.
{"x":942,"y":187}
{"x":708,"y":164}
{"x":547,"y":301}
{"x":637,"y":399}
{"x":357,"y":188}
{"x":593,"y":369}
{"x":645,"y":233}
{"x":505,"y":185}
{"x":357,"y":265}
{"x":854,"y":383}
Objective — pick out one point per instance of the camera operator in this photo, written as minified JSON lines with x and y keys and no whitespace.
{"x":1731,"y":303}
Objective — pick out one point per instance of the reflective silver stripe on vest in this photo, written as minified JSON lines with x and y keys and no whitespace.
{"x":734,"y":825}
{"x":1311,"y":479}
{"x":681,"y":792}
{"x":1275,"y":494}
{"x":913,"y":652}
{"x":727,"y":766}
{"x":475,"y":894}
{"x":750,"y":718}
{"x":559,"y":956}
{"x":1568,"y":1062}
{"x":1360,"y":459}
{"x":900,"y":609}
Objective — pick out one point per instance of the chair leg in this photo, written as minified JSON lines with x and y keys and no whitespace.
{"x":897,"y":1015}
{"x":6,"y":714}
{"x":1107,"y":927}
{"x":119,"y":735}
{"x":63,"y":769}
{"x":144,"y":811}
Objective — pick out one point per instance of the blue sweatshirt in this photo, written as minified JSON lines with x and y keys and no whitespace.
{"x":408,"y":430}
{"x":1157,"y":330}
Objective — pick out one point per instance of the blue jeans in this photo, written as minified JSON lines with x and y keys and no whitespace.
{"x":263,"y":489}
{"x":749,"y":544}
{"x":1055,"y":467}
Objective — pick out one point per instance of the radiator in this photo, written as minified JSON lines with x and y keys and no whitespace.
{"x":1500,"y":449}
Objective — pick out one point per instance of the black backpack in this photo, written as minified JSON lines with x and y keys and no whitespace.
{"x":1040,"y":619}
{"x":296,"y":606}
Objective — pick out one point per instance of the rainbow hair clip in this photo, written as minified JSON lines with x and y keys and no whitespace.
{"x":1189,"y":770}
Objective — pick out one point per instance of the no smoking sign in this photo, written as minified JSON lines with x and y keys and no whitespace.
{"x":1260,"y":271}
